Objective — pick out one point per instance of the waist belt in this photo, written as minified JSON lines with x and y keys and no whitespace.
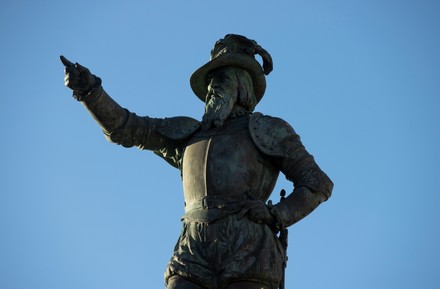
{"x":215,"y":202}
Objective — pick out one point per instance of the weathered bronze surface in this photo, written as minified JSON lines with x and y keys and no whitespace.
{"x":232,"y":237}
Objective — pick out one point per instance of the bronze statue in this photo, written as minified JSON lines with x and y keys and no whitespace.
{"x":232,"y":237}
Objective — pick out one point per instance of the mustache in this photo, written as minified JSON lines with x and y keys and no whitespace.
{"x":215,"y":93}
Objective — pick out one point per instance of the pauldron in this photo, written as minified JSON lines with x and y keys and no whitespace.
{"x":275,"y":137}
{"x":269,"y":134}
{"x":177,"y":128}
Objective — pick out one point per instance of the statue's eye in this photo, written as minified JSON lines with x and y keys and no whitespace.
{"x":227,"y":78}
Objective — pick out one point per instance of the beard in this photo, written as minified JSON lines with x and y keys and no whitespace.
{"x":218,"y":107}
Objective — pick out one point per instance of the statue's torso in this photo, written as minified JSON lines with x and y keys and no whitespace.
{"x":226,"y":163}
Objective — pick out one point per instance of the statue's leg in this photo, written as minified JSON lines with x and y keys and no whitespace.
{"x":246,"y":285}
{"x":177,"y":282}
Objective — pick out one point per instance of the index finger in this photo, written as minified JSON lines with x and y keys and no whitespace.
{"x":66,"y":62}
{"x":81,"y":68}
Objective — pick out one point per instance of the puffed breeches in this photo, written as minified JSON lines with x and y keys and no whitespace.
{"x":232,"y":249}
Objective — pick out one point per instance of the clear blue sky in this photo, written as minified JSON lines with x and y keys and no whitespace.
{"x":358,"y":80}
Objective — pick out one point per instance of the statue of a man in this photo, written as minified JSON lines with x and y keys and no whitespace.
{"x":229,"y":164}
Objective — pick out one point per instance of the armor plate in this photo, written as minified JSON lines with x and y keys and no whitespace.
{"x":225,"y":162}
{"x":269,"y":133}
{"x":177,"y":128}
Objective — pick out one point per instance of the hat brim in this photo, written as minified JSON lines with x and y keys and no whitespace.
{"x":199,"y":79}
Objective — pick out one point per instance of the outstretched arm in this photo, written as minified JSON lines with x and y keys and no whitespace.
{"x":88,"y":90}
{"x":163,"y":136}
{"x":118,"y":124}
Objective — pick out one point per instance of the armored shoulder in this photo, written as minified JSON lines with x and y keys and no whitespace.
{"x":177,"y":128}
{"x":174,"y":129}
{"x":270,"y":133}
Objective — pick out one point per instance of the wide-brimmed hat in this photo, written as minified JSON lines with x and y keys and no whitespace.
{"x":234,"y":50}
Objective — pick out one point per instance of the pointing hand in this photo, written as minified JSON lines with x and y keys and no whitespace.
{"x":78,"y":78}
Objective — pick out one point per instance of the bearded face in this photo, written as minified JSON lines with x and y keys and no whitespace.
{"x":230,"y":93}
{"x":221,"y":98}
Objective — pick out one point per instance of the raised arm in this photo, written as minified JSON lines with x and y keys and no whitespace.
{"x":88,"y":90}
{"x":163,"y":136}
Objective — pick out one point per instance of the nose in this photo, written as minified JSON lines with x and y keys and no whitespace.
{"x":212,"y":84}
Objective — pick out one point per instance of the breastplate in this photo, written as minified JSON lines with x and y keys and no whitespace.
{"x":225,"y":163}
